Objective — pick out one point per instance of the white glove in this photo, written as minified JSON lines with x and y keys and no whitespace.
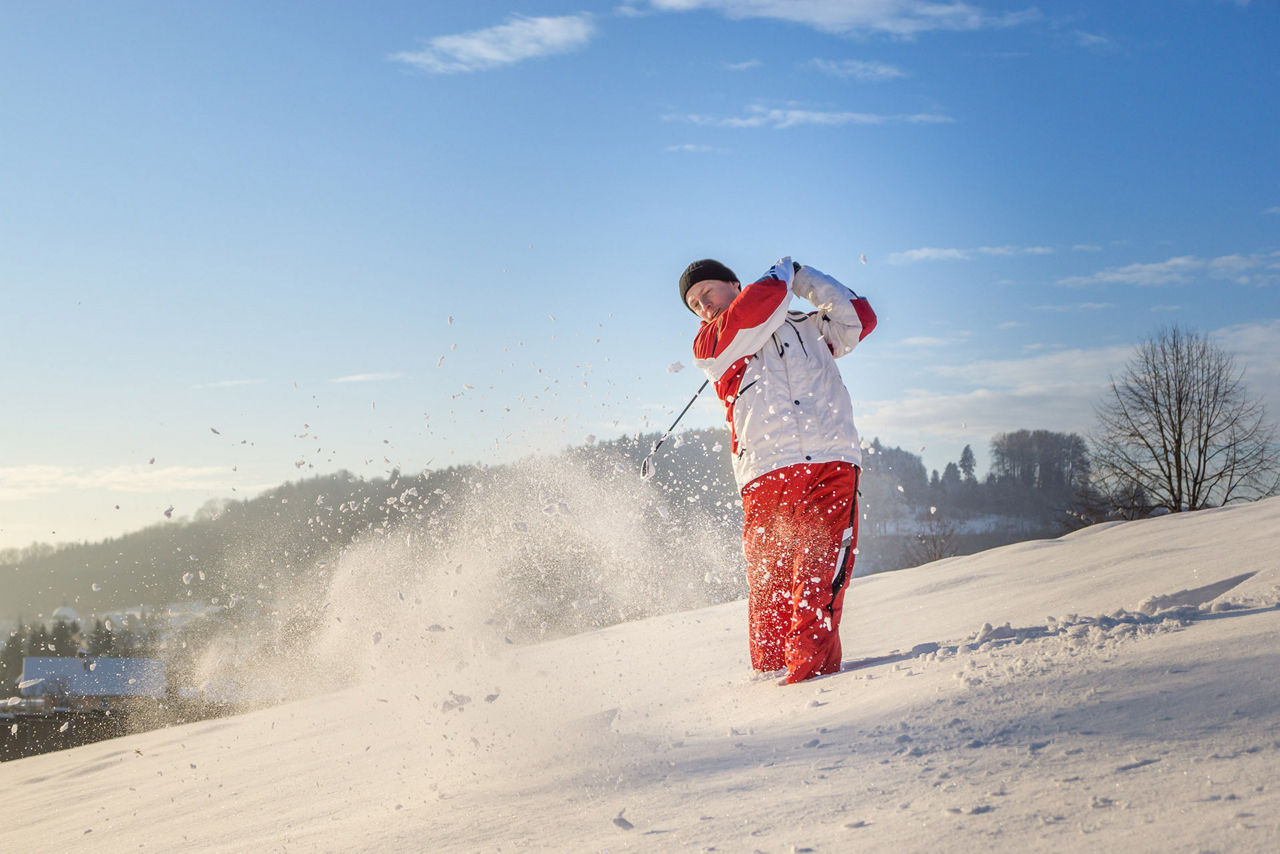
{"x":782,"y":271}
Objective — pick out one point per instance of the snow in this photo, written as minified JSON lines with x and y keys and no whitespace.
{"x":1115,"y":688}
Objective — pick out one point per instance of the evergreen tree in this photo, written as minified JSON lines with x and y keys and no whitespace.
{"x":39,"y":642}
{"x":950,"y":477}
{"x":101,"y":640}
{"x":64,"y":638}
{"x":967,"y":465}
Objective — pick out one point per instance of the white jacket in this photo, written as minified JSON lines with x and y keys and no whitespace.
{"x":775,"y":370}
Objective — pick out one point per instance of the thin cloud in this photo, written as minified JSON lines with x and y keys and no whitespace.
{"x":228,"y":383}
{"x":518,"y":39}
{"x":1258,"y":269}
{"x":1052,"y":390}
{"x":900,"y":18}
{"x":928,"y":253}
{"x":1049,"y":372}
{"x":1093,"y":41}
{"x":1273,"y":211}
{"x":366,"y":378}
{"x":779,"y":119}
{"x":1014,"y":250}
{"x":858,"y":69}
{"x":743,"y":66}
{"x":691,"y":148}
{"x":1056,"y":390}
{"x":932,"y":253}
{"x":935,"y":417}
{"x":1254,"y":346}
{"x":19,"y":483}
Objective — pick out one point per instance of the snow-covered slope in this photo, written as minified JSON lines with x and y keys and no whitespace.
{"x":1111,"y":711}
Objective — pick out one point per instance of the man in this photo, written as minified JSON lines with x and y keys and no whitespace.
{"x":796,"y":454}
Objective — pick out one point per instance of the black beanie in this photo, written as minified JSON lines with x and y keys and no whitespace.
{"x":700,"y":271}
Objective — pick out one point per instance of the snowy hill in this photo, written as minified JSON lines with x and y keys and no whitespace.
{"x":1133,"y":700}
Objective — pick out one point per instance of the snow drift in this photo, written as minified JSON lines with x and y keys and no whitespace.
{"x":1115,"y":687}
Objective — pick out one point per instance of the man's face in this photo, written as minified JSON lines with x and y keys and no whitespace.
{"x":710,"y":297}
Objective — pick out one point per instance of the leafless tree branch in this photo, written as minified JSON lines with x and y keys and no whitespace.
{"x":1178,"y":430}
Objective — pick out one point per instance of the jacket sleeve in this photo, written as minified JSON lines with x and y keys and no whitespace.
{"x":746,"y":325}
{"x":844,"y":317}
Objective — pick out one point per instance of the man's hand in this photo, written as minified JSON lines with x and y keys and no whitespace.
{"x":782,"y":271}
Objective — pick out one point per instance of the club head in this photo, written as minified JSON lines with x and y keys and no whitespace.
{"x":646,"y":467}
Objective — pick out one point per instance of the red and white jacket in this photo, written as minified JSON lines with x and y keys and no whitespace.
{"x":775,"y":370}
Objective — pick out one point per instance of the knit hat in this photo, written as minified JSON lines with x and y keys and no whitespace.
{"x":701,"y":271}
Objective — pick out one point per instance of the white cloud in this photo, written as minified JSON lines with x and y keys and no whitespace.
{"x":902,"y":18}
{"x":366,"y":378}
{"x":518,"y":39}
{"x":1093,"y":41}
{"x":691,"y":148}
{"x":1061,"y":369}
{"x":1054,"y":391}
{"x":1007,"y":251}
{"x":758,"y":116}
{"x":1161,"y":273}
{"x":1254,"y":346}
{"x":743,"y":66}
{"x":1273,"y":211}
{"x":1086,"y":247}
{"x":1256,"y":269}
{"x":928,"y":418}
{"x":912,"y":256}
{"x":858,"y":69}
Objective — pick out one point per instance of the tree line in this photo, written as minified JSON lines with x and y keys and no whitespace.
{"x":1178,"y":432}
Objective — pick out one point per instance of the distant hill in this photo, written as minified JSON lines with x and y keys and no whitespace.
{"x":259,"y":599}
{"x":256,"y":549}
{"x":259,"y":549}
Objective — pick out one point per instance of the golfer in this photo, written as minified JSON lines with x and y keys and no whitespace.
{"x":796,"y":453}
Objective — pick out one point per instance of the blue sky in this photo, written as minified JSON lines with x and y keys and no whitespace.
{"x":417,"y":234}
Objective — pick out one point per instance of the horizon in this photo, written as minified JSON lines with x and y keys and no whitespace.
{"x":251,"y":244}
{"x":176,"y":519}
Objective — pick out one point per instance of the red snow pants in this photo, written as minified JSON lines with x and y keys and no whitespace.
{"x":796,"y":521}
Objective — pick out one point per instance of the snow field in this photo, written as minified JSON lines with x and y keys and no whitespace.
{"x":1104,"y":726}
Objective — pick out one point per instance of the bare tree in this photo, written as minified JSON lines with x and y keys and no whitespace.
{"x":1178,"y":430}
